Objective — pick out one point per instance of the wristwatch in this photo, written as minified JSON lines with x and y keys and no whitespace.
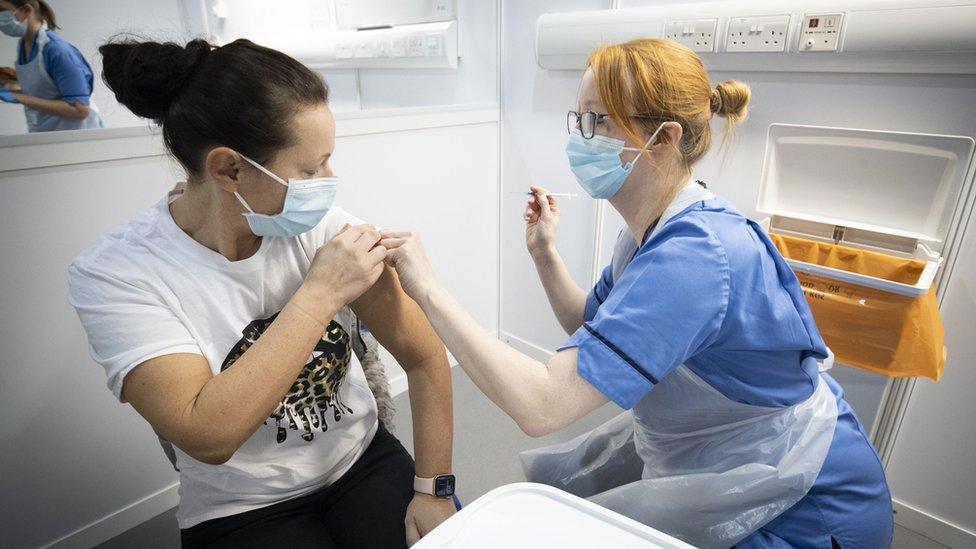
{"x":441,"y":486}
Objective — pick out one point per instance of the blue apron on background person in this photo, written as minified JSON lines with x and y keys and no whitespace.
{"x":35,"y":80}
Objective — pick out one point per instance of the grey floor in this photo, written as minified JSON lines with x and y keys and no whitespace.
{"x":486,"y":447}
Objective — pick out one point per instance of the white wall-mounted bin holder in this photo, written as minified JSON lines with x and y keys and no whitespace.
{"x":888,"y":192}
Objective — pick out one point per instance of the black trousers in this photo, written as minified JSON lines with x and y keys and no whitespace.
{"x":365,"y":508}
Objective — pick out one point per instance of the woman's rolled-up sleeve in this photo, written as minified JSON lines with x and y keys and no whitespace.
{"x":126,"y":325}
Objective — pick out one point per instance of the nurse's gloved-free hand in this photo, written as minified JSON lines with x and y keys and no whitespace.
{"x":406,"y":254}
{"x":541,"y":220}
{"x":343,"y":269}
{"x":7,"y":96}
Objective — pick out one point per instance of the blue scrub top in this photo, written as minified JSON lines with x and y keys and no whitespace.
{"x":710,"y":290}
{"x":67,"y":67}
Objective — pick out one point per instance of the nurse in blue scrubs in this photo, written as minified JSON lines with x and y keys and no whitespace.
{"x":56,"y":81}
{"x":733,"y":434}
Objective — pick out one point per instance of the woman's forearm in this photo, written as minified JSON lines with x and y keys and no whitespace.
{"x":567,"y":299}
{"x":432,"y":409}
{"x":210,"y":416}
{"x":233,"y":404}
{"x":56,"y":107}
{"x":400,"y":326}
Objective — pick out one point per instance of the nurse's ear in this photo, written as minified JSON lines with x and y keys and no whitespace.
{"x":223,"y":166}
{"x":669,"y":135}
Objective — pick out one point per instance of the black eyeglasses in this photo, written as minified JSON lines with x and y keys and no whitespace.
{"x":586,"y":122}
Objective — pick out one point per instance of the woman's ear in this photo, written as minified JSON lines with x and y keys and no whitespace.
{"x":223,"y":166}
{"x":670,"y":132}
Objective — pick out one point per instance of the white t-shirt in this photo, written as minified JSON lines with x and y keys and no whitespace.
{"x":147,"y":289}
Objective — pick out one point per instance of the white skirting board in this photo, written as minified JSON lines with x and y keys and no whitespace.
{"x":398,"y":383}
{"x":122,"y":520}
{"x":531,"y":349}
{"x":932,"y":527}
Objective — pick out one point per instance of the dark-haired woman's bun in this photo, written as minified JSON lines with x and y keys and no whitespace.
{"x":146,"y":76}
{"x":242,"y":95}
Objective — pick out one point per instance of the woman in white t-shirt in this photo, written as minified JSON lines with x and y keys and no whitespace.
{"x":230,"y":333}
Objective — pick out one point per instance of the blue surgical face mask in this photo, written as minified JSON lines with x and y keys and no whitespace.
{"x":306,"y":203}
{"x":10,"y":26}
{"x":596,"y":162}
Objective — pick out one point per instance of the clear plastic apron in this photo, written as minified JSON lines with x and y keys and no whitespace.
{"x":34,"y":80}
{"x":688,"y":461}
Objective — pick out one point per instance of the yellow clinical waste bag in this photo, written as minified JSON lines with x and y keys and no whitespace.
{"x":878,"y":331}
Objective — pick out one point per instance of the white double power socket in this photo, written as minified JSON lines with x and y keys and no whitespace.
{"x":757,"y":34}
{"x":698,"y":35}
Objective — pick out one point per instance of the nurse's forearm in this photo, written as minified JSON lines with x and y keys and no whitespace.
{"x":54,"y":106}
{"x":516,"y":383}
{"x":567,"y":299}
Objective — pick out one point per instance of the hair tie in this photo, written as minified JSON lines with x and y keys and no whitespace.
{"x":716,"y":100}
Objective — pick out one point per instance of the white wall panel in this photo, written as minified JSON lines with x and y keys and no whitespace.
{"x":534,"y":105}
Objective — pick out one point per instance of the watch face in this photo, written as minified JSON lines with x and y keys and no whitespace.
{"x":444,"y":486}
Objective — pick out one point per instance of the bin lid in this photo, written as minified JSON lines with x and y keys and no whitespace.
{"x":533,"y":515}
{"x":895,"y":183}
